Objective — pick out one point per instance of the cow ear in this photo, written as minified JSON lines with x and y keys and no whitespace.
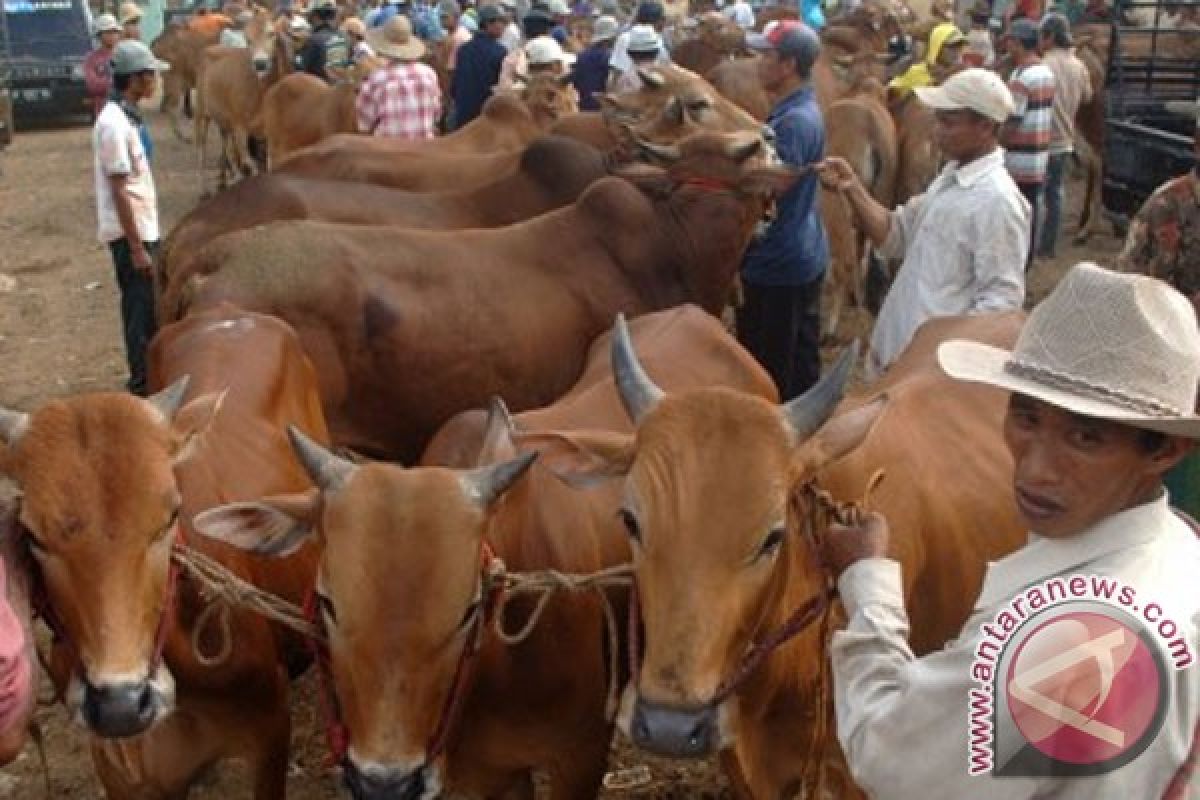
{"x":769,"y":181}
{"x":842,"y":434}
{"x":273,"y":526}
{"x":192,"y":422}
{"x":581,"y":459}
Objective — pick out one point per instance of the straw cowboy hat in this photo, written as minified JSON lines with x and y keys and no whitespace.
{"x":395,"y":40}
{"x":1103,"y":344}
{"x":130,"y":12}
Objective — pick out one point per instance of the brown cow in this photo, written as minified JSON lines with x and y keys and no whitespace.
{"x":552,"y":173}
{"x":465,"y":315}
{"x":723,"y":531}
{"x":713,"y":39}
{"x":537,"y":704}
{"x":182,"y":46}
{"x":106,"y":479}
{"x":230,"y":88}
{"x":302,"y":109}
{"x":1090,"y":121}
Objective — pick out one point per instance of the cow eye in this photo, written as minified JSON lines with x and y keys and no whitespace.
{"x":631,"y":524}
{"x":771,"y":544}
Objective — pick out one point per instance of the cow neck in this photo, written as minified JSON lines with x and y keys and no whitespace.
{"x":704,"y":265}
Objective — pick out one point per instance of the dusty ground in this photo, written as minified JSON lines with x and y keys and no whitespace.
{"x":60,"y":333}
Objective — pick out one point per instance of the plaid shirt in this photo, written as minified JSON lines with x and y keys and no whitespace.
{"x":402,"y":99}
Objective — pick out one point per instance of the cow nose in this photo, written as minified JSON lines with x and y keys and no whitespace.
{"x":119,"y":710}
{"x":382,"y":783}
{"x":674,"y":732}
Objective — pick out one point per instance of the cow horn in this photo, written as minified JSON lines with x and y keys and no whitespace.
{"x":13,"y":425}
{"x":328,"y":471}
{"x":485,"y":484}
{"x":808,"y":412}
{"x":742,"y":146}
{"x":664,"y":152}
{"x":638,"y":393}
{"x":167,"y":401}
{"x":651,"y":79}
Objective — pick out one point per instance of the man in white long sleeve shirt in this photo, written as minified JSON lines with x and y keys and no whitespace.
{"x":1091,"y":694}
{"x":964,"y":241}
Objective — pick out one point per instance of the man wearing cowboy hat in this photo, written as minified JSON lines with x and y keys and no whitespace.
{"x":97,"y":69}
{"x":1102,"y":385}
{"x":401,"y":99}
{"x":131,"y":21}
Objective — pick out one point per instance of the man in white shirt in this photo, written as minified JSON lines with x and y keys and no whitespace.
{"x":649,"y":12}
{"x":1095,"y":695}
{"x":964,"y":241}
{"x":126,"y":201}
{"x":741,"y":13}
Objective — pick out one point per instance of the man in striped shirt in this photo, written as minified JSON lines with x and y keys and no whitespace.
{"x":1027,"y":134}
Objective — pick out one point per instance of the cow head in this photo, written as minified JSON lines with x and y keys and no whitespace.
{"x":100,"y":510}
{"x":399,"y":589}
{"x":549,"y":97}
{"x":261,"y":39}
{"x":719,"y":555}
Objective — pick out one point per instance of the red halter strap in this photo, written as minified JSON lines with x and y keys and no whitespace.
{"x":337,"y":737}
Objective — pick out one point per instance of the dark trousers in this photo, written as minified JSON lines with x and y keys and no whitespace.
{"x":137,"y":310}
{"x":1033,"y":193}
{"x":781,"y":327}
{"x":1052,"y":194}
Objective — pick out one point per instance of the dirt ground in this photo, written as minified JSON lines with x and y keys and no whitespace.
{"x":60,"y":334}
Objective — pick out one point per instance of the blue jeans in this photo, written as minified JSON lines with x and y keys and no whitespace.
{"x":137,"y":310}
{"x":1053,"y":196}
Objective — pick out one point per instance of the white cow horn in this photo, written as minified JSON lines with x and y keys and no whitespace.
{"x":808,"y":412}
{"x":638,"y":393}
{"x":13,"y":425}
{"x":167,"y":401}
{"x":484,"y":485}
{"x":328,"y":471}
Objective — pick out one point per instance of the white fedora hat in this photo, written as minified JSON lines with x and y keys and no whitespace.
{"x":1103,"y":344}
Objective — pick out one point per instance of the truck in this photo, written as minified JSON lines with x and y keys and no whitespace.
{"x":6,"y":117}
{"x":45,"y":44}
{"x":1153,"y":59}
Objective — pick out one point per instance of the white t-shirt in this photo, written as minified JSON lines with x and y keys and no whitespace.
{"x":512,"y":38}
{"x":117,"y":150}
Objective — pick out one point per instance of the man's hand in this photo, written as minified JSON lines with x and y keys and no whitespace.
{"x":141,"y":259}
{"x":837,"y":174}
{"x":844,"y":545}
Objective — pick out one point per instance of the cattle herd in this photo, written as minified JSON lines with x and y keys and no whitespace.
{"x":394,"y":379}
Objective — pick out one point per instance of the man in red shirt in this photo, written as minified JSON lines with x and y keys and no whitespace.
{"x":97,"y":71}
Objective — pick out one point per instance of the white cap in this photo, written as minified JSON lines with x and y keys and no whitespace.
{"x":558,"y":8}
{"x":643,"y":39}
{"x":545,"y":50}
{"x":106,"y":23}
{"x":605,"y":28}
{"x":975,"y":89}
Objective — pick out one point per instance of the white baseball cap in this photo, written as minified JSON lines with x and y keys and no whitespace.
{"x":545,"y":50}
{"x":643,"y":39}
{"x":975,"y":89}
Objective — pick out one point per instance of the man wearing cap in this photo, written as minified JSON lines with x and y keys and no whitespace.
{"x":963,"y":241}
{"x":1072,"y":88}
{"x":478,"y":67}
{"x":131,"y":21}
{"x":1028,"y":131}
{"x":535,"y":24}
{"x":643,"y":48}
{"x":450,"y":14}
{"x":511,"y":38}
{"x":648,"y":12}
{"x":97,"y":69}
{"x":784,"y":267}
{"x":544,"y":56}
{"x":327,"y":51}
{"x":126,"y":201}
{"x":1092,"y":425}
{"x":590,"y":76}
{"x":401,"y":99}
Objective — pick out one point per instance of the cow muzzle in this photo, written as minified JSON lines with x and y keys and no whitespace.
{"x":675,"y":732}
{"x":119,"y":708}
{"x":389,"y":783}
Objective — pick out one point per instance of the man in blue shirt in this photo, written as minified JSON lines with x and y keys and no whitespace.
{"x":477,"y":67}
{"x":784,"y":268}
{"x":590,"y":75}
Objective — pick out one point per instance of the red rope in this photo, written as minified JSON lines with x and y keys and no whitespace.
{"x":337,"y":737}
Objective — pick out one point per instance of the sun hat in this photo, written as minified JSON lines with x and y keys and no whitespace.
{"x":545,"y":50}
{"x":643,"y":39}
{"x":354,"y":26}
{"x":106,"y":23}
{"x":604,"y":29}
{"x":1111,"y":345}
{"x":130,"y":12}
{"x":791,"y":39}
{"x":298,"y":26}
{"x":974,"y":89}
{"x":131,"y":57}
{"x":395,"y":40}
